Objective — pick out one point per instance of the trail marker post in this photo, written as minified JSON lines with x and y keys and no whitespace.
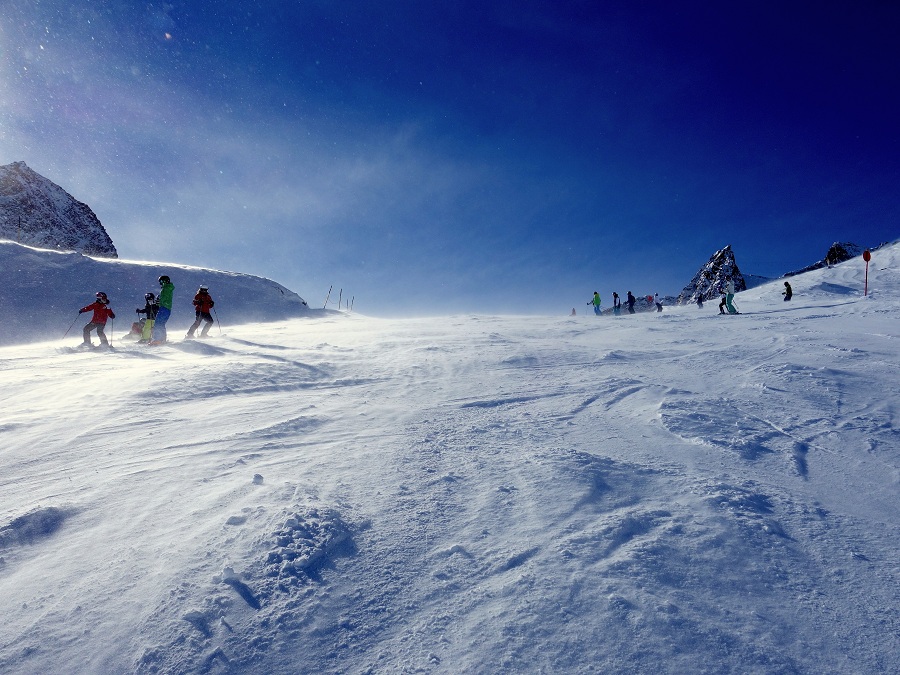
{"x":867,"y":256}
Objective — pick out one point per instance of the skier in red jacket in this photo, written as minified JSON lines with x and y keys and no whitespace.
{"x":102,"y":312}
{"x":203,"y":302}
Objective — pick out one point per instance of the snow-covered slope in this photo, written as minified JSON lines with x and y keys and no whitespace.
{"x":679,"y":492}
{"x":36,"y":211}
{"x":43,"y":290}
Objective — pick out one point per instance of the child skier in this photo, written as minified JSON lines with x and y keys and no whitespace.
{"x":203,"y":302}
{"x":102,"y":312}
{"x":164,"y":311}
{"x":150,"y":309}
{"x":596,"y":302}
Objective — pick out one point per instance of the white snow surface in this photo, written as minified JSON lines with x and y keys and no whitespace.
{"x":679,"y":492}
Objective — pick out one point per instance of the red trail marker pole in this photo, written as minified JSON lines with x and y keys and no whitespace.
{"x":867,"y":257}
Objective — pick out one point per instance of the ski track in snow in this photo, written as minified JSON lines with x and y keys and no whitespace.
{"x":674,"y":493}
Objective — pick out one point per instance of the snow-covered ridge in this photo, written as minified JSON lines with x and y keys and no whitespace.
{"x":36,"y":211}
{"x":43,"y":291}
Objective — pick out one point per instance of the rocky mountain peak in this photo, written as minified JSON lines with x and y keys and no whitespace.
{"x":37,"y":212}
{"x":710,"y":280}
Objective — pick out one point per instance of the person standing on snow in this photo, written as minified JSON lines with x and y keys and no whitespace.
{"x":596,"y":302}
{"x":150,"y":309}
{"x":164,"y":311}
{"x":729,"y":296}
{"x":203,"y":302}
{"x":630,"y":300}
{"x":787,"y":292}
{"x":617,"y":304}
{"x":700,"y":301}
{"x":102,"y":312}
{"x":658,"y":303}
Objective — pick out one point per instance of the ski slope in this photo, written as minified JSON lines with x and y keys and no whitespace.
{"x":678,"y":493}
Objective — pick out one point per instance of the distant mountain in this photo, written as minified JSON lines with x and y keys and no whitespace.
{"x":838,"y":253}
{"x":710,"y":280}
{"x":37,"y":212}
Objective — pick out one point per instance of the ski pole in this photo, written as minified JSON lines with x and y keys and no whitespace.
{"x":217,"y":320}
{"x":70,"y":327}
{"x":112,"y":331}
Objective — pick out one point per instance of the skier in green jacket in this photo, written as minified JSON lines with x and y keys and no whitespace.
{"x":596,"y":301}
{"x":165,"y":310}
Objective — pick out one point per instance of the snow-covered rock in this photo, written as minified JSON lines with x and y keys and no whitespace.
{"x":838,"y":252}
{"x":710,"y":280}
{"x":38,"y":212}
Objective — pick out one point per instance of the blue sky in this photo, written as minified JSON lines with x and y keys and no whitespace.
{"x":466,"y":156}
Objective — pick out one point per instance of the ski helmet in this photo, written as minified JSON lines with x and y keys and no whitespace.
{"x":149,"y":296}
{"x":101,"y":296}
{"x":164,"y":280}
{"x":203,"y":289}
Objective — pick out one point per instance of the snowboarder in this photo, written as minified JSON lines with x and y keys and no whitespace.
{"x":150,"y":309}
{"x":658,"y":303}
{"x":102,"y":312}
{"x":203,"y":302}
{"x":596,"y":302}
{"x":787,"y":292}
{"x":617,"y":304}
{"x":729,"y":296}
{"x":630,"y":300}
{"x":164,"y":311}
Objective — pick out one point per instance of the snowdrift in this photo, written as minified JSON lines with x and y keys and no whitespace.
{"x":43,"y":290}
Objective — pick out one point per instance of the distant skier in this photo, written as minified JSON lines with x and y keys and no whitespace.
{"x":573,"y":311}
{"x":164,"y":311}
{"x":617,"y":304}
{"x":102,"y":312}
{"x":203,"y":302}
{"x":630,"y":300}
{"x":596,"y":302}
{"x":658,"y":303}
{"x":729,"y":296}
{"x":150,"y":309}
{"x":700,"y":301}
{"x":787,"y":292}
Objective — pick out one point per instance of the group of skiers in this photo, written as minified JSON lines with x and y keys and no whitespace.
{"x":727,"y":302}
{"x":630,"y":301}
{"x":151,"y":329}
